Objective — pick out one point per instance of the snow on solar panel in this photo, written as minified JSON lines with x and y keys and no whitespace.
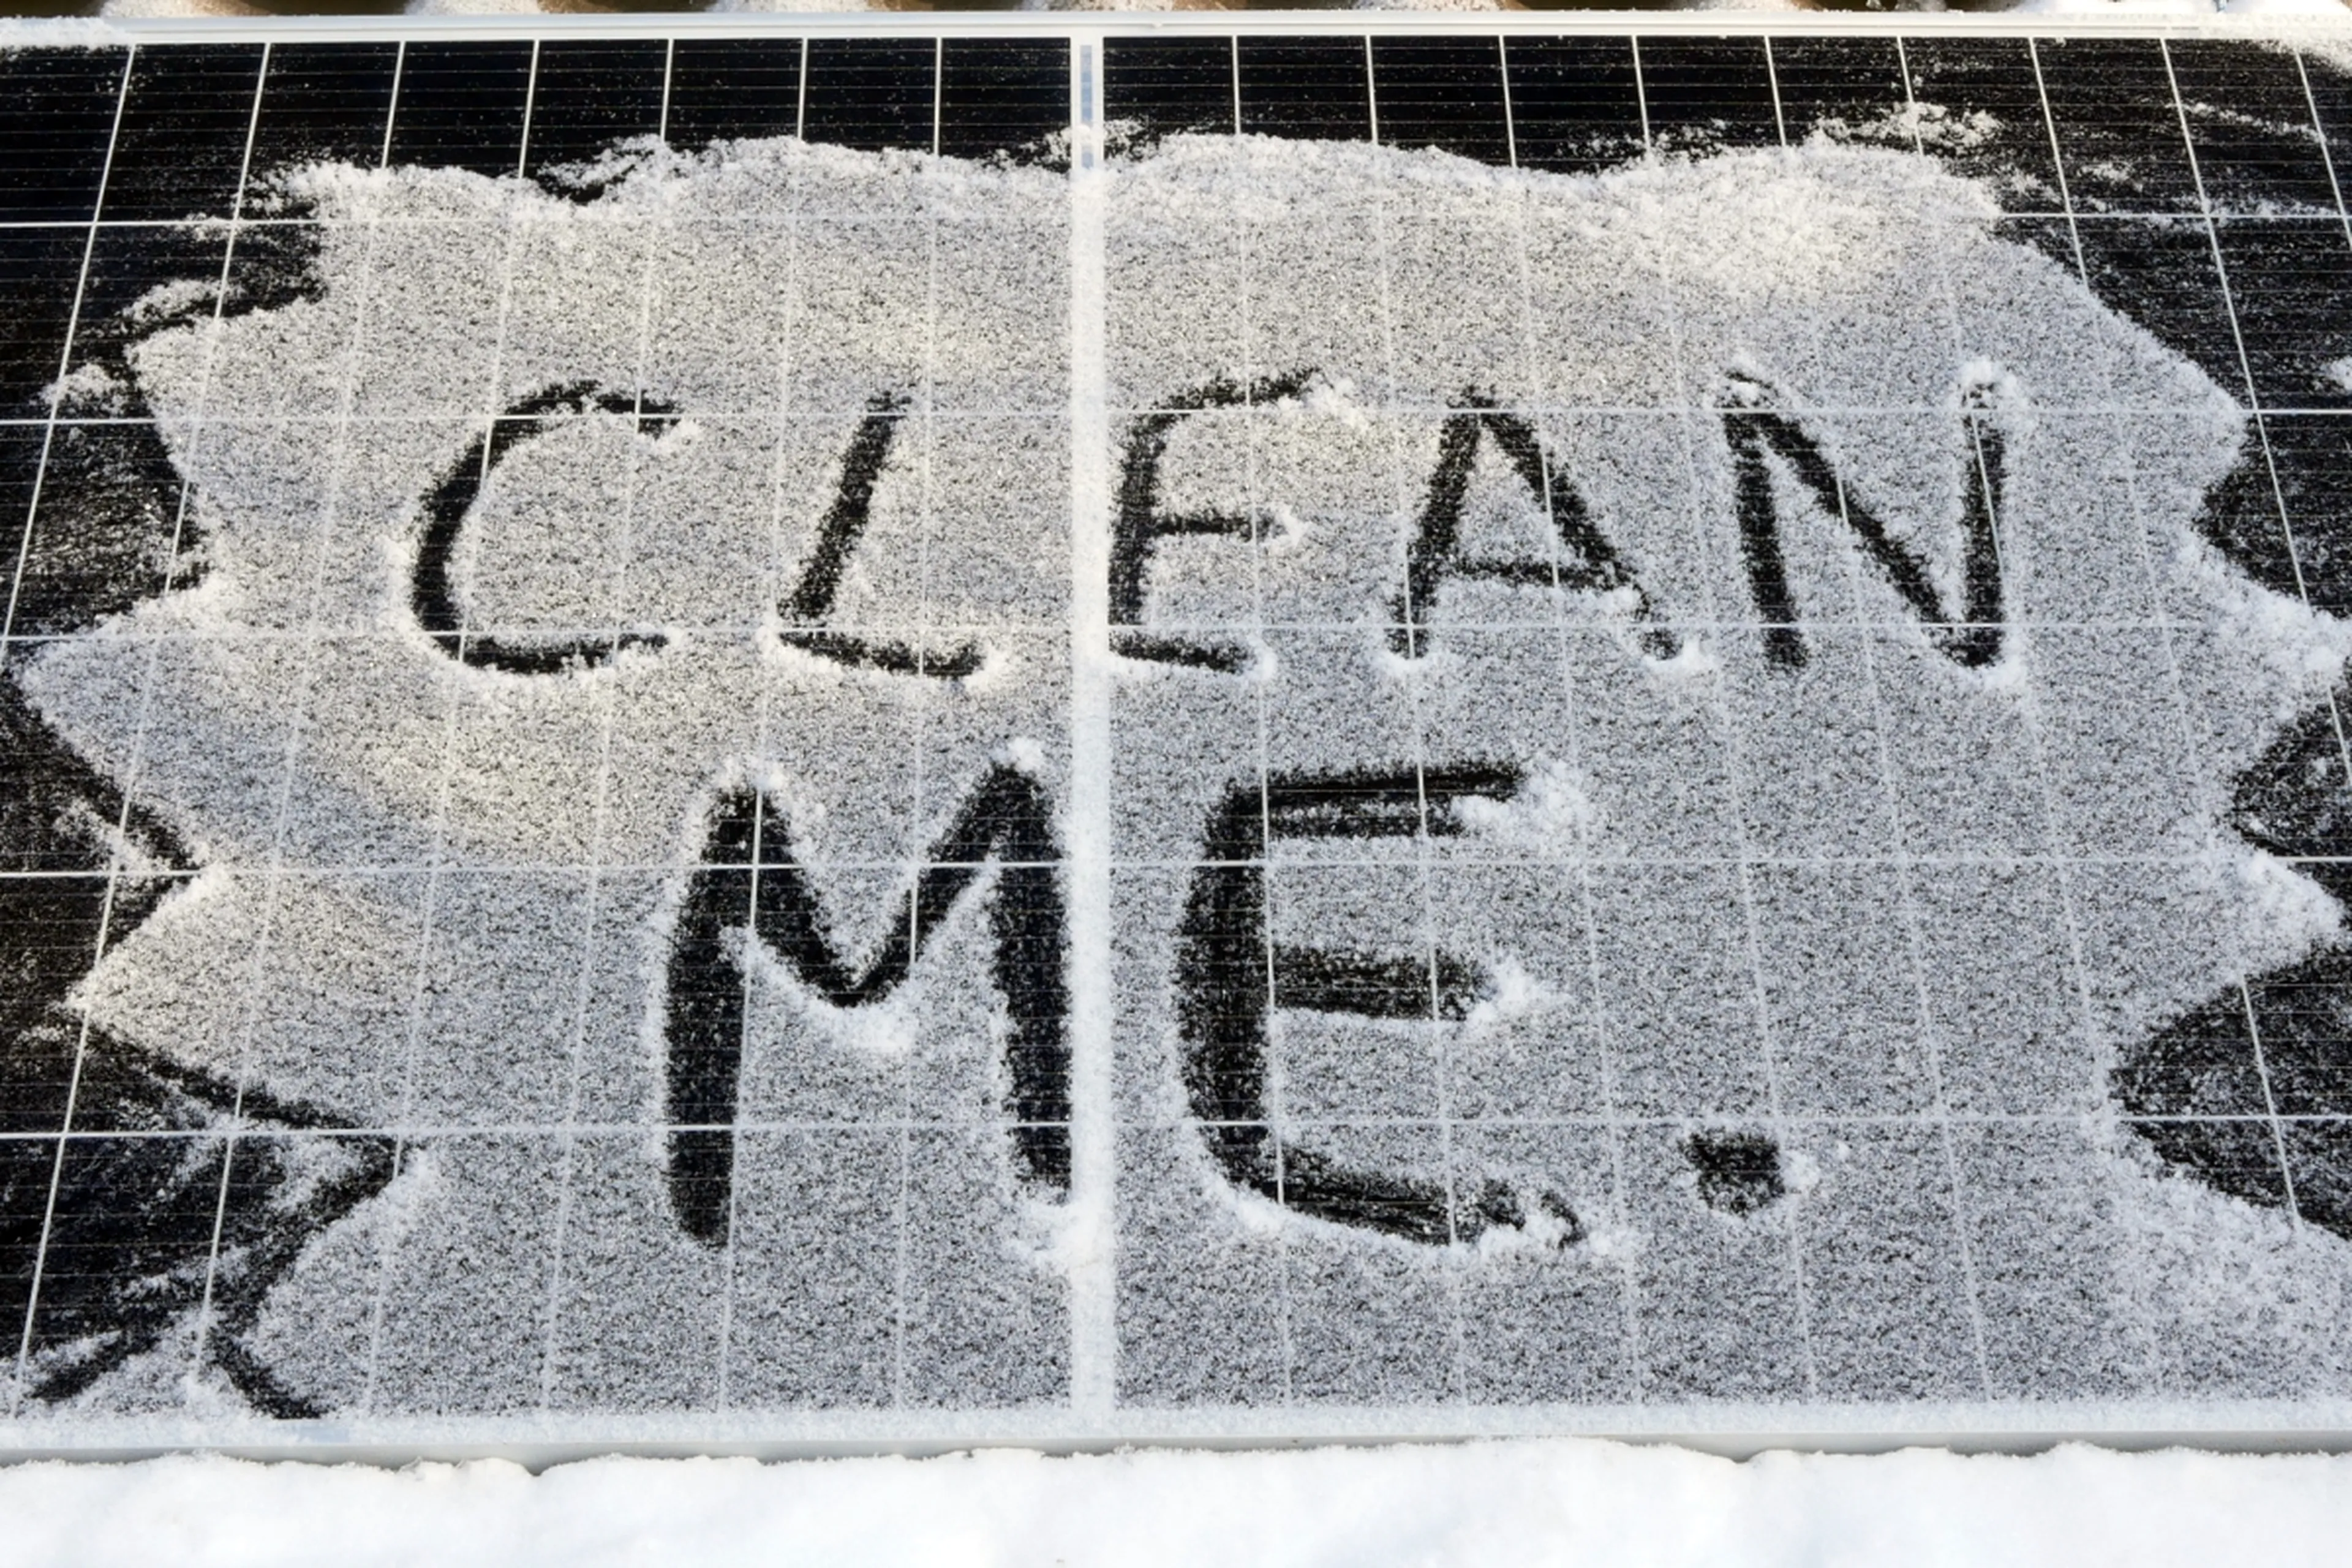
{"x":755,"y":738}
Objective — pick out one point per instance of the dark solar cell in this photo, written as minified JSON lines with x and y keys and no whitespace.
{"x":20,"y":470}
{"x":1168,"y":84}
{"x":2053,"y":236}
{"x":2240,"y":1157}
{"x":724,"y":89}
{"x":2311,"y":453}
{"x":325,"y":102}
{"x":2241,"y":518}
{"x":1705,"y":93}
{"x":1000,"y":95}
{"x":462,"y":106}
{"x":1307,"y":88}
{"x":57,"y":115}
{"x":1442,"y":93}
{"x":1979,"y":107}
{"x":180,"y":151}
{"x":271,"y":264}
{"x":1575,"y":104}
{"x":591,"y":95}
{"x":2288,"y":281}
{"x":2304,"y":1041}
{"x":39,"y":269}
{"x":2160,"y":271}
{"x":126,"y":263}
{"x":2315,"y":1164}
{"x":2118,"y":130}
{"x":24,"y":1202}
{"x":1846,"y":88}
{"x":2250,"y":121}
{"x":2331,"y":93}
{"x":103,"y":528}
{"x":872,"y":92}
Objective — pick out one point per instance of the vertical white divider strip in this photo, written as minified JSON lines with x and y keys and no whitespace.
{"x":1087,"y":832}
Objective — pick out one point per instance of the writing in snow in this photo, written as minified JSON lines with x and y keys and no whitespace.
{"x":1574,"y":648}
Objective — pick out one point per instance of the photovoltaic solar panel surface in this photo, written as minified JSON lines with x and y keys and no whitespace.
{"x":835,"y":737}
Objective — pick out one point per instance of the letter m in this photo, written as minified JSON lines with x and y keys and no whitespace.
{"x":749,"y":888}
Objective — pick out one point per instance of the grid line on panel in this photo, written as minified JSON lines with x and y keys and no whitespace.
{"x":329,"y":512}
{"x":529,"y":102}
{"x":926,"y":488}
{"x":1641,"y":93}
{"x":228,"y":1161}
{"x":2344,"y":216}
{"x":385,"y":1247}
{"x":1612,"y":1119}
{"x":762,"y":1126}
{"x":1766,"y":1030}
{"x":2326,"y":156}
{"x":2270,"y":1118}
{"x":1510,"y":126}
{"x":1091,"y":1194}
{"x":1432,"y":967}
{"x":57,"y":1169}
{"x":747,"y":625}
{"x":392,"y":109}
{"x":670,"y":72}
{"x":2254,"y":406}
{"x":1932,"y":1035}
{"x":2252,"y":390}
{"x":139,"y":731}
{"x":584,"y":988}
{"x":1910,"y":96}
{"x":389,"y":1247}
{"x":1903,"y":866}
{"x":65,"y":362}
{"x":1773,"y":861}
{"x":1900,"y":859}
{"x":1272,"y":1108}
{"x":1739,"y":782}
{"x":1524,"y":406}
{"x":2057,"y":160}
{"x":726,"y":1347}
{"x":2062,"y":863}
{"x":1234,"y":58}
{"x":723,"y":1371}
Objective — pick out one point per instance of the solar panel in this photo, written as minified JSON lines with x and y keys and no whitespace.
{"x":824,"y":735}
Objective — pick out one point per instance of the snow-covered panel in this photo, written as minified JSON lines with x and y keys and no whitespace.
{"x":755,"y":739}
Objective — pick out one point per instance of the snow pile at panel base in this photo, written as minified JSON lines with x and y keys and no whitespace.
{"x":1505,"y":1503}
